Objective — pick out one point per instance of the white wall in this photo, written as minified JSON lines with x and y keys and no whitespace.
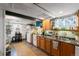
{"x":1,"y":32}
{"x":16,"y":22}
{"x":21,"y":27}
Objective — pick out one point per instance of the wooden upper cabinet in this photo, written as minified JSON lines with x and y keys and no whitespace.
{"x":67,"y":49}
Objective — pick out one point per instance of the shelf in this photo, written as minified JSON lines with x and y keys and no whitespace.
{"x":65,"y":30}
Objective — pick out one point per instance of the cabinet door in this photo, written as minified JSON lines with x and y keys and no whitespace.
{"x":48,"y":46}
{"x":38,"y":41}
{"x":42,"y":43}
{"x":55,"y":48}
{"x":67,"y":49}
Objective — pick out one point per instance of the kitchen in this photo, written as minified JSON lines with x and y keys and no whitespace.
{"x":50,"y":29}
{"x":63,"y":41}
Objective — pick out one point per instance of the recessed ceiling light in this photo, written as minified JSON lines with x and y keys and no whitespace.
{"x":60,"y":12}
{"x":41,"y":18}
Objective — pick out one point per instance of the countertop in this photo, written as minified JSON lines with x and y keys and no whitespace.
{"x":74,"y":42}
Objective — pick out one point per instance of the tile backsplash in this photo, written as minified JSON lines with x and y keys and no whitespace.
{"x":66,"y":34}
{"x":69,"y":34}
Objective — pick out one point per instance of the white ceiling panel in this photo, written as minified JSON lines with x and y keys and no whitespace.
{"x":29,"y":9}
{"x":54,"y":9}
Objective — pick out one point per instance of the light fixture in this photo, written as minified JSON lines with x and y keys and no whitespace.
{"x":41,"y":18}
{"x":60,"y":12}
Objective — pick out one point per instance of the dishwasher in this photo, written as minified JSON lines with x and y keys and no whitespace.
{"x":76,"y":50}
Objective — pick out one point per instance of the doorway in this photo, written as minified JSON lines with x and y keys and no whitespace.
{"x":15,"y":47}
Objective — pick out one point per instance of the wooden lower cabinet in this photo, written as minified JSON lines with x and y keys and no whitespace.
{"x":63,"y":49}
{"x":42,"y":43}
{"x":55,"y":48}
{"x":67,"y":49}
{"x":38,"y":41}
{"x":48,"y":46}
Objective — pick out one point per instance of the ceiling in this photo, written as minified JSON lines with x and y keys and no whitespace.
{"x":47,"y":10}
{"x":60,"y":9}
{"x":40,"y":10}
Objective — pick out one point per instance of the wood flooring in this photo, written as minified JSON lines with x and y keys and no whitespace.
{"x":25,"y":49}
